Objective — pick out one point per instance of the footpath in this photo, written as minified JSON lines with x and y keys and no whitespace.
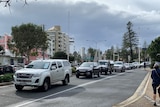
{"x":143,"y":96}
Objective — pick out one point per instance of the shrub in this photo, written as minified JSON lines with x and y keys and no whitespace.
{"x":6,"y":77}
{"x":73,"y":69}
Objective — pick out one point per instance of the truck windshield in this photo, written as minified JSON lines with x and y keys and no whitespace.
{"x":38,"y":65}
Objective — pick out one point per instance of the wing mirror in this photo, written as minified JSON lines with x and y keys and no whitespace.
{"x":53,"y":68}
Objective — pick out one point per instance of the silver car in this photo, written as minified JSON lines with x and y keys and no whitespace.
{"x":119,"y":66}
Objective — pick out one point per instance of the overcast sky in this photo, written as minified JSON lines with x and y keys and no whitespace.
{"x":101,"y":22}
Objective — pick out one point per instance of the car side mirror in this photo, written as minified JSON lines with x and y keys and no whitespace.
{"x":53,"y":68}
{"x":91,"y":66}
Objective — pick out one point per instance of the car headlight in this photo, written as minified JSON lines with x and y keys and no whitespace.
{"x":36,"y":75}
{"x":120,"y":66}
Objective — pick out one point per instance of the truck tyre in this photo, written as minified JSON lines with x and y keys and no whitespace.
{"x":77,"y":75}
{"x":98,"y":74}
{"x":46,"y":85}
{"x":66,"y":80}
{"x":19,"y":87}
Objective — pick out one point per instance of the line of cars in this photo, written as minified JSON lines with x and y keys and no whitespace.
{"x":43,"y":73}
{"x":90,"y":69}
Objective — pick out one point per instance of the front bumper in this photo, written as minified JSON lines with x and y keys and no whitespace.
{"x":34,"y":81}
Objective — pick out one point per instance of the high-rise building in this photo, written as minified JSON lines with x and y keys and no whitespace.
{"x":59,"y":41}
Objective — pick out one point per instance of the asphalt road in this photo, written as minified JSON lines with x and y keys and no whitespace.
{"x":105,"y":91}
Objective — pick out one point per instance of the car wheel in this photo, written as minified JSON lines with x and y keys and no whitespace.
{"x":19,"y":87}
{"x":98,"y":74}
{"x":45,"y":85}
{"x":92,"y":75}
{"x":105,"y":72}
{"x":66,"y":80}
{"x":123,"y":70}
{"x":77,"y":75}
{"x":110,"y":72}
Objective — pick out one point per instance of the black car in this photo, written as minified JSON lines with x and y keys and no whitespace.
{"x":88,"y":69}
{"x":6,"y":69}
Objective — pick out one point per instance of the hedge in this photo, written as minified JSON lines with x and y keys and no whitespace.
{"x":6,"y":77}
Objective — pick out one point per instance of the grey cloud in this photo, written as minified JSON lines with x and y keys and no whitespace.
{"x":87,"y":21}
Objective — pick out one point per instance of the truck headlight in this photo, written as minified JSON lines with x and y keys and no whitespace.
{"x":36,"y":75}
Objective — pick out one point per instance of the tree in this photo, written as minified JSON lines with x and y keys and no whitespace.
{"x":27,"y":38}
{"x":109,"y":53}
{"x":130,"y":40}
{"x":154,"y":50}
{"x":60,"y":55}
{"x":8,"y":2}
{"x":92,"y":52}
{"x":144,"y":49}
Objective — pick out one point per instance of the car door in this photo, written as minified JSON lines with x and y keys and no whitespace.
{"x":54,"y":72}
{"x":60,"y":72}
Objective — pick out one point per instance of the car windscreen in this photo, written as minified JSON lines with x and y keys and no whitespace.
{"x":86,"y":64}
{"x":38,"y":65}
{"x":118,"y":63}
{"x":103,"y":63}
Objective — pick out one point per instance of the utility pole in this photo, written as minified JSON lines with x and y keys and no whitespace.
{"x":43,"y":28}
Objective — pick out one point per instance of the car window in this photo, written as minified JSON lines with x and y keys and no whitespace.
{"x":86,"y":64}
{"x":66,"y":63}
{"x":119,"y":63}
{"x":103,"y":63}
{"x":54,"y":64}
{"x":59,"y":64}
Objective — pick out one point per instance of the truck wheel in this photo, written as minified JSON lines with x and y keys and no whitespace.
{"x":91,"y":75}
{"x":110,"y":72}
{"x":105,"y":72}
{"x":19,"y":87}
{"x":98,"y":74}
{"x":77,"y":75}
{"x":66,"y":80}
{"x":45,"y":85}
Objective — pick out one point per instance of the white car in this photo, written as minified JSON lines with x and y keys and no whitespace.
{"x":127,"y":66}
{"x":43,"y":73}
{"x":119,"y":66}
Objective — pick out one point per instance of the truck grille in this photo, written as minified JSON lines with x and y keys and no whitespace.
{"x":24,"y":75}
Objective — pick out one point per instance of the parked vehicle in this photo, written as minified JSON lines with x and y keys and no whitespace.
{"x":6,"y":69}
{"x":146,"y":63}
{"x":119,"y":66}
{"x":127,"y":66}
{"x":105,"y":66}
{"x":88,"y":69}
{"x":136,"y":64}
{"x":43,"y":73}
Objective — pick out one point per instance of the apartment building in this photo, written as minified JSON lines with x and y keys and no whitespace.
{"x":59,"y":41}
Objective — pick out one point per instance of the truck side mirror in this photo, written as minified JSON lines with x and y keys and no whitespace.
{"x":53,"y":68}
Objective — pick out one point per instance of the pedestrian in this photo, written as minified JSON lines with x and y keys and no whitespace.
{"x":144,"y":65}
{"x":155,"y":75}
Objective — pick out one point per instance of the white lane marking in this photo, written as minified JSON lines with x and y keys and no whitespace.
{"x":85,"y":84}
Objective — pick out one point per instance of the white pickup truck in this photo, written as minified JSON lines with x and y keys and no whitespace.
{"x":43,"y":73}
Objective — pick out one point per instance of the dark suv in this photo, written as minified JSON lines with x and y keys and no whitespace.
{"x":88,"y":69}
{"x":6,"y":69}
{"x":105,"y":66}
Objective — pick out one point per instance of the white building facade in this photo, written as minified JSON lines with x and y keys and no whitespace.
{"x":58,"y":41}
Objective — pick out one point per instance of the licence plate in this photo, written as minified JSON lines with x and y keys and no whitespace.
{"x":82,"y":73}
{"x":23,"y":83}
